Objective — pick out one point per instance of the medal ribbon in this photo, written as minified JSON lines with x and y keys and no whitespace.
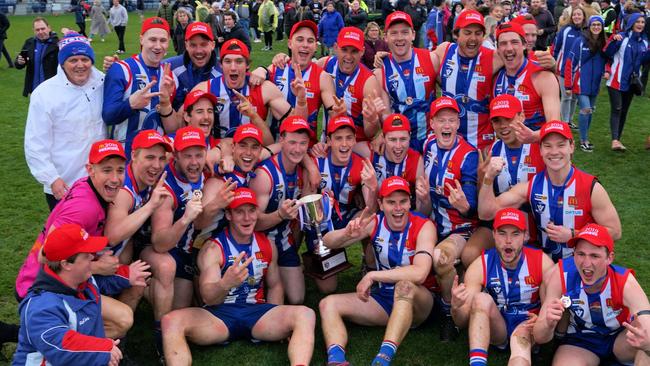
{"x":506,"y":284}
{"x":409,"y":83}
{"x":513,"y":156}
{"x":340,"y":89}
{"x":343,"y":174}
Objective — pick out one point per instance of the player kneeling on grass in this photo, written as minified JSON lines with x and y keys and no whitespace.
{"x":402,"y":243}
{"x":241,"y":287}
{"x":500,"y":295}
{"x":601,"y":300}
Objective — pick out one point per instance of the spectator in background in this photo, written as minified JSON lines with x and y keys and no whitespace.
{"x":139,"y":6}
{"x":280,"y":28}
{"x":118,"y":19}
{"x":342,"y":7}
{"x":434,"y":26}
{"x":507,"y":11}
{"x":545,"y":24}
{"x":608,"y":13}
{"x":418,"y":13}
{"x":243,"y":11}
{"x":290,"y":15}
{"x":98,"y":23}
{"x":455,"y":11}
{"x":328,"y":28}
{"x":496,"y":12}
{"x":374,"y":42}
{"x":386,"y":8}
{"x":268,"y":22}
{"x":255,"y":21}
{"x":39,"y":55}
{"x":165,"y":11}
{"x":79,"y":15}
{"x":357,"y":17}
{"x":4,"y":26}
{"x":564,"y":41}
{"x":215,"y":20}
{"x":490,"y":41}
{"x":316,"y":8}
{"x":306,"y":13}
{"x":183,"y":19}
{"x":232,"y":30}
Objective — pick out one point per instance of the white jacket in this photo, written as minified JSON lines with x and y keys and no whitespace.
{"x":62,"y":123}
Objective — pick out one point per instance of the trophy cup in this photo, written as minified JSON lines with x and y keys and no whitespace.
{"x":322,"y":262}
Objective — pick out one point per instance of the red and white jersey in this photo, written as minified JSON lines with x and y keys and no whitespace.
{"x":407,"y":168}
{"x":521,"y":164}
{"x":568,"y":205}
{"x":469,"y":82}
{"x":521,"y":86}
{"x":251,"y":291}
{"x":343,"y":181}
{"x":227,"y":117}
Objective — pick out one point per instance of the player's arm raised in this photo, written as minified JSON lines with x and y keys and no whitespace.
{"x":357,"y":229}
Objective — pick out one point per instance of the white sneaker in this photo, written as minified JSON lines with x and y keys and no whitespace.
{"x":257,"y":41}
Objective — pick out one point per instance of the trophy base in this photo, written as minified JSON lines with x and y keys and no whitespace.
{"x":326,"y":266}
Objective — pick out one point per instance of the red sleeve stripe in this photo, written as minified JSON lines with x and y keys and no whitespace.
{"x":74,"y":341}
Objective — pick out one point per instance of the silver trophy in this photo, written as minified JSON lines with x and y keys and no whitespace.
{"x":313,"y":216}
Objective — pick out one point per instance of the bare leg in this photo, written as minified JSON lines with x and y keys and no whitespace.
{"x":574,"y":356}
{"x":625,"y":353}
{"x":198,"y":325}
{"x":482,"y":239}
{"x":486,"y":325}
{"x":161,"y":287}
{"x":298,"y":322}
{"x":293,"y":282}
{"x":183,"y":290}
{"x":521,"y":344}
{"x":450,"y":250}
{"x":131,"y":296}
{"x":117,"y":316}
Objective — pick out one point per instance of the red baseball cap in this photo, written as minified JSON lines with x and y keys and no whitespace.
{"x":505,"y":105}
{"x":189,"y":136}
{"x":396,"y":122}
{"x":469,"y":17}
{"x":558,"y":127}
{"x":523,"y":20}
{"x":350,"y":36}
{"x":304,"y":24}
{"x":154,"y":22}
{"x":596,"y":235}
{"x":393,"y":184}
{"x":340,"y":122}
{"x":510,"y":216}
{"x":235,"y":47}
{"x":70,"y":239}
{"x":102,"y":149}
{"x":510,"y":27}
{"x":295,"y":124}
{"x":195,"y":95}
{"x":248,"y":130}
{"x":198,"y":28}
{"x":398,"y":17}
{"x":443,"y":103}
{"x":243,"y":196}
{"x":148,"y":138}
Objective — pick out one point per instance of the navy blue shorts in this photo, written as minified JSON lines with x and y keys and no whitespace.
{"x":239,"y":318}
{"x":289,"y":257}
{"x":185,"y":268}
{"x":512,"y":321}
{"x":385,"y":298}
{"x":601,"y":346}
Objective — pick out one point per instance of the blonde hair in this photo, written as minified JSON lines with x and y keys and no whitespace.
{"x":370,"y":25}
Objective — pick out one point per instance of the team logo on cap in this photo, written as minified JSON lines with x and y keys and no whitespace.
{"x":395,"y":182}
{"x":351,"y":35}
{"x":190,"y":135}
{"x":243,"y":194}
{"x":591,"y":231}
{"x":555,"y":126}
{"x":66,"y":41}
{"x":399,"y":16}
{"x":501,"y":104}
{"x":443,"y":102}
{"x":509,"y":215}
{"x":199,"y":27}
{"x":108,"y":146}
{"x":83,"y":234}
{"x":473,"y":16}
{"x":250,"y":131}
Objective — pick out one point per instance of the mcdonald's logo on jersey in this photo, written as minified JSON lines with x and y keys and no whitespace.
{"x":528,"y":160}
{"x":419,"y":70}
{"x":478,"y":68}
{"x":529,"y":280}
{"x":259,"y":255}
{"x":573,"y":201}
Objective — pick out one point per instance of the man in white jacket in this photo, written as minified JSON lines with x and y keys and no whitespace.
{"x":65,"y":118}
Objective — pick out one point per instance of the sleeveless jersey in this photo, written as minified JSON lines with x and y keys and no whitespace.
{"x":469,"y":82}
{"x":598,"y":314}
{"x":282,"y":78}
{"x":521,"y":164}
{"x":344,"y":182}
{"x":283,"y":186}
{"x":411,"y":88}
{"x":182,"y":192}
{"x":407,"y":169}
{"x":138,"y":75}
{"x":521,"y":86}
{"x":226,"y":116}
{"x":139,"y":198}
{"x":515,"y":291}
{"x":568,"y":205}
{"x":444,"y":166}
{"x":251,"y":291}
{"x":350,"y":89}
{"x":219,"y":220}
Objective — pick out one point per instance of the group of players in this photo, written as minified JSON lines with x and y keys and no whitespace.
{"x":468,"y":198}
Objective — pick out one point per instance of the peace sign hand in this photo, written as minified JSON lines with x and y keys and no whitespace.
{"x":422,"y":189}
{"x":369,"y":111}
{"x":244,"y":107}
{"x":159,"y":193}
{"x":339,"y":107}
{"x":368,"y":175}
{"x":457,"y":197}
{"x":167,"y":85}
{"x":237,"y":273}
{"x":298,"y":85}
{"x":226,"y":193}
{"x":142,"y":97}
{"x":523,"y":133}
{"x":459,"y":294}
{"x":483,"y":163}
{"x":380,"y":107}
{"x":355,"y":228}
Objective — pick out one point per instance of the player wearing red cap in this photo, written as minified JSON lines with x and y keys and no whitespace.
{"x":60,"y":317}
{"x":172,"y":224}
{"x":241,"y":286}
{"x":348,"y":178}
{"x":278,"y":183}
{"x":138,"y":90}
{"x":500,"y":295}
{"x":233,"y":88}
{"x":529,"y":26}
{"x":607,"y":308}
{"x":562,"y":198}
{"x":537,"y":88}
{"x":402,"y":243}
{"x":522,"y":160}
{"x":447,"y":194}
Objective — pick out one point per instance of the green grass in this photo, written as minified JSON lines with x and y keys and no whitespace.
{"x":24,"y":211}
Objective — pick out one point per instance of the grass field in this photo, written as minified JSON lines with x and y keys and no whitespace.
{"x":23,"y":212}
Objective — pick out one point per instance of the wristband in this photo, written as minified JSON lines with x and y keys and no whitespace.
{"x":573,"y":235}
{"x":279,"y":215}
{"x":267,"y":72}
{"x":643,"y":312}
{"x":270,"y":152}
{"x":166,"y":115}
{"x":488,"y":182}
{"x":329,"y":109}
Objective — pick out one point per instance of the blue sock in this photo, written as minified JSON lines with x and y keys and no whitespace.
{"x":335,"y":354}
{"x":478,"y":357}
{"x":445,"y":307}
{"x":386,"y":354}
